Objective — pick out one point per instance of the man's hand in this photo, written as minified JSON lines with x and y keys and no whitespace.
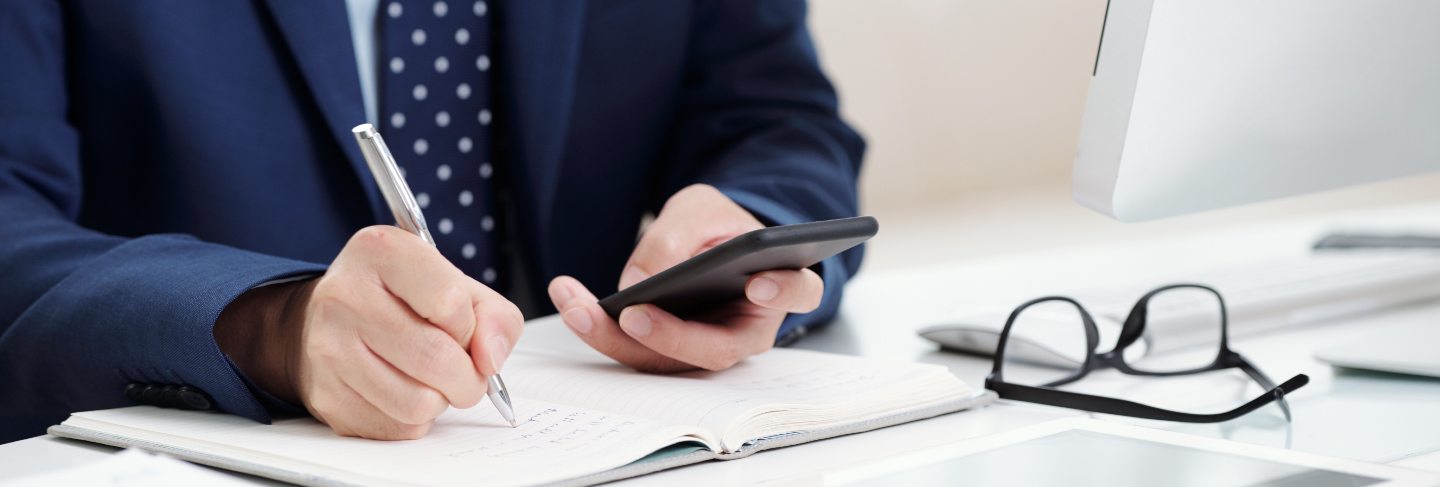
{"x":650,"y":339}
{"x":378,"y":347}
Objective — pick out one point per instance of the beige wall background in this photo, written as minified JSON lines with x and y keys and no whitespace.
{"x":959,"y":96}
{"x":972,"y":110}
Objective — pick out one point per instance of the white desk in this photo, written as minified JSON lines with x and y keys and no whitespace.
{"x":1370,"y":417}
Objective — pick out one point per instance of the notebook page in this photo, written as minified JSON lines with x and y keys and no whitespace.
{"x":717,"y":401}
{"x":469,"y":447}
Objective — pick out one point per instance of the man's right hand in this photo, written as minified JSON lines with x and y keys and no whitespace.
{"x":380,"y":345}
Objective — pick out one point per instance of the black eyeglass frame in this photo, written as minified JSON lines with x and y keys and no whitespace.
{"x":1130,"y":333}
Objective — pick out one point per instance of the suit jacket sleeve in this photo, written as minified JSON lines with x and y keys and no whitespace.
{"x":82,"y":314}
{"x":758,"y":120}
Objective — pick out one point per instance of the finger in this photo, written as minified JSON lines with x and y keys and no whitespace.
{"x":421,"y":351}
{"x":789,"y":291}
{"x":581,"y":312}
{"x":415,"y":272}
{"x":357,"y":417}
{"x":498,"y":330}
{"x":390,"y":390}
{"x":693,"y":220}
{"x":704,"y":345}
{"x":665,"y":244}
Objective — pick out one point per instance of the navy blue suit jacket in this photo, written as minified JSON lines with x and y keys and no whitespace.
{"x":159,"y":158}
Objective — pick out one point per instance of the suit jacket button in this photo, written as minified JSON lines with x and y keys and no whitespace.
{"x":192,"y":398}
{"x":169,"y":397}
{"x":133,"y":390}
{"x":151,"y":394}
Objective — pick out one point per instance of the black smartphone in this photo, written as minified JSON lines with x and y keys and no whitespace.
{"x":718,"y":276}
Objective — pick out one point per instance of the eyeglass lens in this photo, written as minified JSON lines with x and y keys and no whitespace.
{"x":1046,"y":344}
{"x":1183,"y":328}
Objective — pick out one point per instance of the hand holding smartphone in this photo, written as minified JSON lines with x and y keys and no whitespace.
{"x":718,"y":276}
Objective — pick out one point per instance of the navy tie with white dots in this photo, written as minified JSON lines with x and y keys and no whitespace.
{"x":435,"y":94}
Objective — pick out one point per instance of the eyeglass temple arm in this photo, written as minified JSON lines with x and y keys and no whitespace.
{"x":1264,"y":381}
{"x":1110,"y":405}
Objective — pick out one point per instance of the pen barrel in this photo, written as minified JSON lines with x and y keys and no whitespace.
{"x":392,"y":185}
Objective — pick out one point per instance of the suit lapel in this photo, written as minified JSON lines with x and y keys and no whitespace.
{"x":542,"y":52}
{"x":318,"y":33}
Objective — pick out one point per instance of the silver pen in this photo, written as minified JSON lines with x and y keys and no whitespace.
{"x":408,"y":217}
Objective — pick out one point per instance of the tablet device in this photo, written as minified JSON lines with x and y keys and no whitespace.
{"x":1082,"y":451}
{"x":718,"y":275}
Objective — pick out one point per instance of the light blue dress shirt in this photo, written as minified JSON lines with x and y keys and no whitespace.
{"x":363,"y":35}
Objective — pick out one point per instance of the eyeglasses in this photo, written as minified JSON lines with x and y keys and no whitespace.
{"x":1190,"y":309}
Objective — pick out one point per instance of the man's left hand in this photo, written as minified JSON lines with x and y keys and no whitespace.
{"x":650,"y":339}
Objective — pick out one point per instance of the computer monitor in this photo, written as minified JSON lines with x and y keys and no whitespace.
{"x":1197,"y":105}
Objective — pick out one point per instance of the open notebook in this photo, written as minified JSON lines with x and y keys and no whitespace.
{"x":584,"y":420}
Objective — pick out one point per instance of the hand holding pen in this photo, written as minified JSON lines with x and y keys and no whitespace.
{"x":385,"y":341}
{"x":496,"y":347}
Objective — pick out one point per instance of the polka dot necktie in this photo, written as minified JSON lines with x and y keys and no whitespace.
{"x":435,"y":94}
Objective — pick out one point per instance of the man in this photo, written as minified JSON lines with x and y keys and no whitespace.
{"x":174,"y":177}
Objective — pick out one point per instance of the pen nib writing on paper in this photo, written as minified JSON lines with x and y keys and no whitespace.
{"x":501,"y":397}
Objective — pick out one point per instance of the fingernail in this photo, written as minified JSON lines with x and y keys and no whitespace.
{"x":632,"y":275}
{"x":636,"y":322}
{"x":764,"y":289}
{"x":499,"y":351}
{"x":579,"y":320}
{"x":561,"y":294}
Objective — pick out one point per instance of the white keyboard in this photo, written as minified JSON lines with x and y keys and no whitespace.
{"x":1260,"y":297}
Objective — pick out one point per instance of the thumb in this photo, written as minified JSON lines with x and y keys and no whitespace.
{"x":693,"y":220}
{"x":662,"y":246}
